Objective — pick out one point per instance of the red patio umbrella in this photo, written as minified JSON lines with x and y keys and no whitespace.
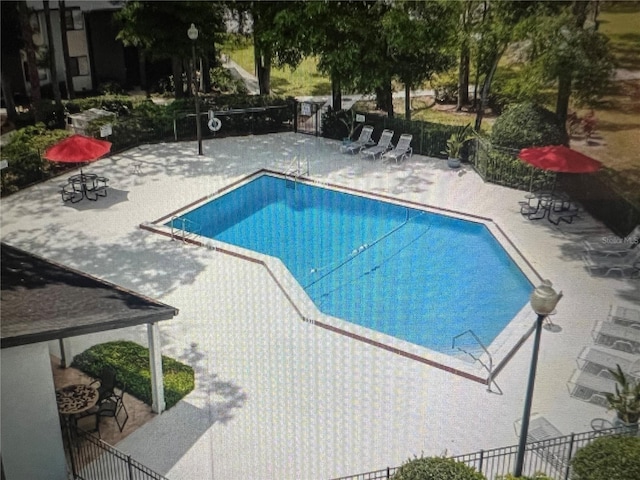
{"x":77,"y":149}
{"x":558,"y":158}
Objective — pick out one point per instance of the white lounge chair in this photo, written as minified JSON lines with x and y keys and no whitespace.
{"x":401,"y":150}
{"x":620,"y":337}
{"x":624,"y":266}
{"x":591,"y":388}
{"x":606,"y":247}
{"x":629,"y":317}
{"x":381,"y":147}
{"x":542,"y":437}
{"x":362,"y":142}
{"x":599,"y":362}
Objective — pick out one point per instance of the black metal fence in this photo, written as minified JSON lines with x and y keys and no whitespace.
{"x":551,"y":457}
{"x":92,"y":459}
{"x":501,"y":166}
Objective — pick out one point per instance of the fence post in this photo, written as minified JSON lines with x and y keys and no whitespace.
{"x":388,"y":473}
{"x":568,"y":467}
{"x":130,"y":467}
{"x":295,"y":116}
{"x":71,"y":457}
{"x":481,"y":460}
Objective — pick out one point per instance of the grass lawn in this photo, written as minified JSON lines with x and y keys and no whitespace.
{"x":620,"y":22}
{"x":304,"y":80}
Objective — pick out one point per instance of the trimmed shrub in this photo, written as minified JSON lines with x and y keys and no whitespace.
{"x":536,"y":476}
{"x":608,"y":458}
{"x":436,"y":468}
{"x":131,"y":364}
{"x":528,"y":125}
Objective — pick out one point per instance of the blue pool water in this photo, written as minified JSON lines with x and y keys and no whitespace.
{"x":411,"y":274}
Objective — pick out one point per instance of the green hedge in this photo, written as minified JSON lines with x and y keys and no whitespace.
{"x":436,"y":468}
{"x":131,"y":364}
{"x":608,"y":458}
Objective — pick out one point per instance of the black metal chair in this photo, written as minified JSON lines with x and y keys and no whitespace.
{"x":107,"y":384}
{"x":113,"y":406}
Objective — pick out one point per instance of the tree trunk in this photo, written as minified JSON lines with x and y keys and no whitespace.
{"x":263,"y":69}
{"x":7,"y":95}
{"x":204,"y":75}
{"x":30,"y":49}
{"x":564,"y":94}
{"x":336,"y":93}
{"x":71,"y":94}
{"x":485,"y":90}
{"x":384,"y":98}
{"x":407,"y":101}
{"x":176,"y":67}
{"x":463,"y":77}
{"x":142,"y":69}
{"x":53,"y":67}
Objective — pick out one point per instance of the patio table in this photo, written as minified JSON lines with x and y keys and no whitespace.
{"x":74,"y":399}
{"x":88,"y":185}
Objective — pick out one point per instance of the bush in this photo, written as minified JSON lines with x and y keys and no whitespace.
{"x":333,"y":125}
{"x":528,"y":125}
{"x":131,"y":364}
{"x":608,"y":458}
{"x":23,"y":153}
{"x":445,"y":86}
{"x":436,"y":468}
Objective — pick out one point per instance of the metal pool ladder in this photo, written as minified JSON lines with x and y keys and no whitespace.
{"x":473,"y":350}
{"x":183,"y":228}
{"x":296,"y":170}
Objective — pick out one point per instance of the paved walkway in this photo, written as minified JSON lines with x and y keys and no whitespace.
{"x":278,"y":398}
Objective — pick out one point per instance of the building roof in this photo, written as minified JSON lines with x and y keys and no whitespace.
{"x":41,"y":300}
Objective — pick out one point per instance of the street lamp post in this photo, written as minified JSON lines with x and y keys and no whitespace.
{"x":543,"y":301}
{"x":193,"y":36}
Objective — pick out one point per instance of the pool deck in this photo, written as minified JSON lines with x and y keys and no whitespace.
{"x":277,"y":397}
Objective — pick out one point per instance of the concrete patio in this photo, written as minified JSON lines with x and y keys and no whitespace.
{"x":277,"y":397}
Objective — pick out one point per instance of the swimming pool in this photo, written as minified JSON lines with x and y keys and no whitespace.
{"x":412,"y":274}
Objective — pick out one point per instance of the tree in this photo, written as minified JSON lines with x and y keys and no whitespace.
{"x":71,"y":93}
{"x":53,"y":68}
{"x":571,"y":53}
{"x":11,"y":43}
{"x":159,"y":29}
{"x":500,"y":25}
{"x":31,"y":51}
{"x":418,"y":34}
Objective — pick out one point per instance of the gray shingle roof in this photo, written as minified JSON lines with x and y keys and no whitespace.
{"x":41,"y":300}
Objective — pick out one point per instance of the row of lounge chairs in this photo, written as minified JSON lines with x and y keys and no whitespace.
{"x":384,"y":148}
{"x":621,"y":258}
{"x":616,"y":342}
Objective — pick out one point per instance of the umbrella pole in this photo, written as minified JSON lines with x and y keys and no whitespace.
{"x":531,"y":181}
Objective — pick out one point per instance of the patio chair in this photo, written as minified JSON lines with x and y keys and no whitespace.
{"x":599,"y":363}
{"x":619,"y":337}
{"x":113,"y":406}
{"x":401,"y":150}
{"x":625,"y":266}
{"x":106,"y":384}
{"x":384,"y":143}
{"x":362,"y":142}
{"x":70,"y":194}
{"x":591,"y":388}
{"x":629,"y":317}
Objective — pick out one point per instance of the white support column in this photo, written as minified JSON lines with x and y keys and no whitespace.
{"x":155,"y":361}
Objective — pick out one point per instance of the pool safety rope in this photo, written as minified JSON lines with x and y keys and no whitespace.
{"x":357,"y":251}
{"x":379,"y":264}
